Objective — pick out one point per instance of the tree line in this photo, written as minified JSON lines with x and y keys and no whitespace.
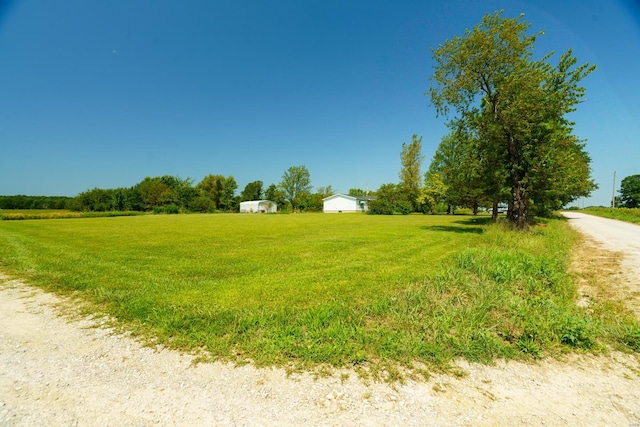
{"x":172,"y":194}
{"x":214,"y":193}
{"x":34,"y":202}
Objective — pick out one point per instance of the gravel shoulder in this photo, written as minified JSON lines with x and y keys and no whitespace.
{"x":58,"y":370}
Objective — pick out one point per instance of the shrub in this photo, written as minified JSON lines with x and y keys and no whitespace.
{"x":172,"y":209}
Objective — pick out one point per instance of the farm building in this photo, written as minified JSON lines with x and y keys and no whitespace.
{"x":258,"y":206}
{"x":343,"y":203}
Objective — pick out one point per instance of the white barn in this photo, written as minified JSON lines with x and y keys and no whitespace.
{"x":344,"y":203}
{"x":263,"y":206}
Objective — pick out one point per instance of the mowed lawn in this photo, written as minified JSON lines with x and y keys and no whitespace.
{"x":237,"y":261}
{"x":309,"y":290}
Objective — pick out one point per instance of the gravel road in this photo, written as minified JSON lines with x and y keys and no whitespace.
{"x":58,"y":371}
{"x":616,"y":236}
{"x":620,"y":237}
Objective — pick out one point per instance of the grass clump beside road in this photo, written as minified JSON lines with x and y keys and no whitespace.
{"x":373,"y":292}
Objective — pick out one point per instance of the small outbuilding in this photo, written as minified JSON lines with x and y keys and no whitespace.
{"x":258,"y":206}
{"x":339,"y":203}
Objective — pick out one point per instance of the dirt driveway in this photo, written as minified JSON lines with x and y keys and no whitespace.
{"x":57,"y":371}
{"x":618,"y":237}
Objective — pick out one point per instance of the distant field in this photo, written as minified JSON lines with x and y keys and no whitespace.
{"x":25,"y":213}
{"x":309,"y":290}
{"x":22,"y":214}
{"x":622,"y":214}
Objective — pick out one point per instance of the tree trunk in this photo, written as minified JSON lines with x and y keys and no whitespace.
{"x":519,"y":194}
{"x":519,"y":213}
{"x":494,"y":212}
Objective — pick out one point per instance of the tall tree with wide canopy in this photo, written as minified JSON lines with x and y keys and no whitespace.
{"x":517,"y":107}
{"x":220,"y":190}
{"x":296,"y":184}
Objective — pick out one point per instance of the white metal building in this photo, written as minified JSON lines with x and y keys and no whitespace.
{"x":344,"y":203}
{"x":262,"y":206}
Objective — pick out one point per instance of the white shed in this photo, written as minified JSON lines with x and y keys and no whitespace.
{"x":344,"y":203}
{"x":258,"y":206}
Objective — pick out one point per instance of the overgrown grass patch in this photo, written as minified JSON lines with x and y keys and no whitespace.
{"x":372,"y":292}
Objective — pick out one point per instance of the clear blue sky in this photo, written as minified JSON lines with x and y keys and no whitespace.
{"x":102,"y":93}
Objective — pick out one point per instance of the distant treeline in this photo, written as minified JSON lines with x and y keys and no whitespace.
{"x":166,"y":193}
{"x":170,"y":194}
{"x":35,"y":202}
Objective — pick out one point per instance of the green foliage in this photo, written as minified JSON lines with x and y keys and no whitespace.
{"x":460,"y":175}
{"x":630,"y":192}
{"x":410,"y":175}
{"x":221,"y":191}
{"x":35,"y":202}
{"x":512,"y":112}
{"x":148,"y":195}
{"x":314,"y":202}
{"x":154,"y":192}
{"x":252,"y":191}
{"x":433,"y":193}
{"x":296,"y":185}
{"x":390,"y":200}
{"x":172,"y":209}
{"x":201,"y":204}
{"x":630,"y":335}
{"x":275,"y":194}
{"x":357,"y":192}
{"x":577,"y":331}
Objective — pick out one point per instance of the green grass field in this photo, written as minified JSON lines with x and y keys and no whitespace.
{"x":377,"y":293}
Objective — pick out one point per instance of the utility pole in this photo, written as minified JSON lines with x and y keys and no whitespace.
{"x":613,"y":193}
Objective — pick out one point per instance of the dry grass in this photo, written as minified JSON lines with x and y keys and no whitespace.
{"x":600,"y":277}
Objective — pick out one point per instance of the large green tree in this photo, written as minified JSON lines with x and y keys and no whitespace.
{"x":275,"y":194}
{"x":434,"y":191}
{"x":154,"y":192}
{"x":220,"y":190}
{"x":630,"y":191}
{"x":211,"y":186}
{"x":390,"y":200}
{"x":517,"y":107}
{"x":410,"y":175}
{"x":457,"y":163}
{"x":228,"y":199}
{"x":252,"y":191}
{"x":296,"y":185}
